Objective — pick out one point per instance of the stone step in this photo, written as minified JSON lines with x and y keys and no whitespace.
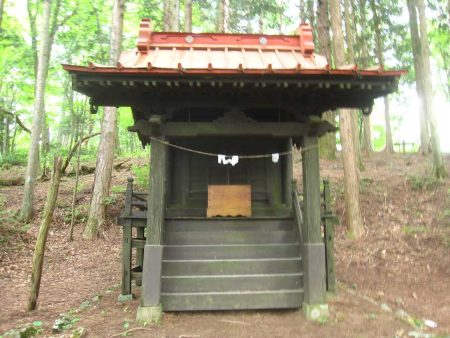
{"x":229,"y":237}
{"x":230,"y":251}
{"x":229,"y":224}
{"x":227,"y":283}
{"x":231,"y":266}
{"x":235,"y":300}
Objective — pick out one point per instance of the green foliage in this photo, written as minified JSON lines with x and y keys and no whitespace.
{"x":413,"y":230}
{"x":110,"y":200}
{"x":27,"y":331}
{"x":118,"y":189}
{"x":141,"y":174}
{"x":19,"y":157}
{"x":423,"y":183}
{"x":81,"y":213}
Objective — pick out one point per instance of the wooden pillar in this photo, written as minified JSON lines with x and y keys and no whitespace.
{"x":313,"y":246}
{"x":153,"y":251}
{"x":126,"y":245}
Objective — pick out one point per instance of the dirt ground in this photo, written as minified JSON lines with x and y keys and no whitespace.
{"x":389,"y":282}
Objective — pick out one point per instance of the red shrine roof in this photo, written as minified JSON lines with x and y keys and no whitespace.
{"x":161,"y":53}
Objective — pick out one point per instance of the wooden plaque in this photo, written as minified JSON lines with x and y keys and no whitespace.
{"x":229,"y":200}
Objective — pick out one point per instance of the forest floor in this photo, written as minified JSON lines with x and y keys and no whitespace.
{"x":389,"y":282}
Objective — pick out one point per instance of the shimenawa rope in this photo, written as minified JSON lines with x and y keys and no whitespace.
{"x":199,"y":152}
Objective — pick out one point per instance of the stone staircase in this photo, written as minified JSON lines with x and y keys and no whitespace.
{"x":229,"y":263}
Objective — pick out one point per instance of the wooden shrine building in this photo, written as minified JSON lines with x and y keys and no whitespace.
{"x":221,"y":227}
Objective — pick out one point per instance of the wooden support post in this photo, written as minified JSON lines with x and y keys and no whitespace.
{"x":289,"y":172}
{"x":329,"y":238}
{"x":150,"y":310}
{"x":126,"y":246}
{"x":311,"y":189}
{"x":157,"y":192}
{"x":313,"y":247}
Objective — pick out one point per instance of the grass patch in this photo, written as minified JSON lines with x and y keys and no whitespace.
{"x":411,"y":230}
{"x":423,"y":183}
{"x":141,"y":174}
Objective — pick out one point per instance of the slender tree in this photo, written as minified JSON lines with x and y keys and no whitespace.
{"x":171,"y":13}
{"x":41,"y":241}
{"x":224,"y":7}
{"x":38,"y":116}
{"x":2,"y":4}
{"x":302,"y":12}
{"x":327,"y":143}
{"x":389,"y":147}
{"x":351,"y":182}
{"x":367,"y":133}
{"x":415,"y":44}
{"x":188,"y":16}
{"x":103,"y":169}
{"x":350,"y":40}
{"x":438,"y":163}
{"x":421,"y":52}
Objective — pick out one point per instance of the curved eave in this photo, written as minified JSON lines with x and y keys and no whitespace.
{"x":181,"y":71}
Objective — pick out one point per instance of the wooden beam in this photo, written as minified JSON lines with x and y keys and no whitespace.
{"x":250,"y":129}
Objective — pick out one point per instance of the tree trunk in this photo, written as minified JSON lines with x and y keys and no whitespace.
{"x":32,"y":14}
{"x":188,"y":16}
{"x":301,"y":8}
{"x":75,"y":188}
{"x":427,"y":86}
{"x":6,"y":136}
{"x":367,"y":132}
{"x":105,"y":157}
{"x":351,"y":182}
{"x":311,"y":14}
{"x":38,"y":116}
{"x":327,"y":143}
{"x":415,"y":42}
{"x":223,"y":16}
{"x":349,"y":37}
{"x":39,"y":250}
{"x":389,"y":148}
{"x":171,"y":10}
{"x":2,"y":4}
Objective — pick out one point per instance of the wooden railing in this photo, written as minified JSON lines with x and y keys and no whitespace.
{"x":298,"y":213}
{"x":328,"y":220}
{"x":133,"y":237}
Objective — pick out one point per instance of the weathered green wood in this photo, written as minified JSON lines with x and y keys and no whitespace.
{"x":253,"y":224}
{"x":209,"y":267}
{"x":229,"y":283}
{"x":126,"y":241}
{"x":298,"y":215}
{"x":329,"y":239}
{"x":311,"y":190}
{"x":247,"y":129}
{"x":197,"y":301}
{"x":313,"y":248}
{"x":156,"y":194}
{"x":126,"y":260}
